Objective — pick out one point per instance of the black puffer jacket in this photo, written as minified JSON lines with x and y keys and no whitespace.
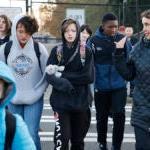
{"x":138,"y":68}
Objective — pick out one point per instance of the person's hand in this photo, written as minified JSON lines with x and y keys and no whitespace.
{"x":54,"y":69}
{"x":60,"y":68}
{"x":50,"y":69}
{"x":120,"y":44}
{"x":56,"y":116}
{"x":58,"y":74}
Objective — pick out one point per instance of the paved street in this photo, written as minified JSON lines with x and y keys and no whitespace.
{"x":48,"y":122}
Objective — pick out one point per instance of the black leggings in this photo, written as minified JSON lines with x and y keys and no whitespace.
{"x":73,"y":127}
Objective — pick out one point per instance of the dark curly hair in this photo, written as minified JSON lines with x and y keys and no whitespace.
{"x":30,"y":24}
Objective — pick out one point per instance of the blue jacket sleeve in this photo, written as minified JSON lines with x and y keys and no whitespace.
{"x":22,"y":139}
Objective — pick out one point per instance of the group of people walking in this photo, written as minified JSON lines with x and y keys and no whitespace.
{"x":105,"y":60}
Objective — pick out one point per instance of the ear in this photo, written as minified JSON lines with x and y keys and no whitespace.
{"x":103,"y":26}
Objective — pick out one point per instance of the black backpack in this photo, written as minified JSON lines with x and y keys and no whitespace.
{"x":36,"y":48}
{"x":10,"y":130}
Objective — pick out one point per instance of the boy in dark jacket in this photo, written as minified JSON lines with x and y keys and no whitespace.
{"x":70,"y":78}
{"x":138,"y":68}
{"x":110,"y":87}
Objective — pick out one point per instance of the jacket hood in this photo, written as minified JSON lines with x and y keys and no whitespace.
{"x":100,"y":34}
{"x":14,"y":33}
{"x":7,"y":76}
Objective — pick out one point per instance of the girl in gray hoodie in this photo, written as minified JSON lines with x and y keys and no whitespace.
{"x":29,"y":76}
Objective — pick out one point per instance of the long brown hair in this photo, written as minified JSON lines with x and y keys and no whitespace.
{"x":8,"y":24}
{"x":66,"y":22}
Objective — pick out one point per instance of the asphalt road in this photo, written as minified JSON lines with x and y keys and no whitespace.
{"x":48,"y":122}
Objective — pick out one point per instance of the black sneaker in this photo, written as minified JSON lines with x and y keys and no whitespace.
{"x":103,"y":147}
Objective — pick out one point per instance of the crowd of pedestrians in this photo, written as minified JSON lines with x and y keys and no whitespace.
{"x":84,"y":70}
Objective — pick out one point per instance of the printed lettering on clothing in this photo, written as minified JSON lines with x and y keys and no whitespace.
{"x":22,"y":65}
{"x":58,"y":135}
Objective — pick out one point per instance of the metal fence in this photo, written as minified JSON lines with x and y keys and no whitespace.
{"x":45,"y":40}
{"x":52,"y":14}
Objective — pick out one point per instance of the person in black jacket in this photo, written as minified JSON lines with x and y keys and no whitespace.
{"x":110,"y":87}
{"x":138,"y":68}
{"x":70,"y":78}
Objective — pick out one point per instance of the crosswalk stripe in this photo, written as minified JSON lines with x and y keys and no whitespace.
{"x":90,"y":134}
{"x":125,"y":140}
{"x":92,"y":122}
{"x":127,"y":108}
{"x":93,"y":109}
{"x":92,"y":118}
{"x":51,"y":119}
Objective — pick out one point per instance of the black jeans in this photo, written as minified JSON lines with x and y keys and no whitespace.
{"x":73,"y":127}
{"x":115,"y":101}
{"x":142,"y":139}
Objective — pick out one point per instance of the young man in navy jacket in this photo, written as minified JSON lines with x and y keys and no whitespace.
{"x":110,"y":87}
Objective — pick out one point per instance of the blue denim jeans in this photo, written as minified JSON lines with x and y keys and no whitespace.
{"x":31,"y":115}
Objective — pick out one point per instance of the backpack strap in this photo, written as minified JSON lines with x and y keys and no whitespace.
{"x":36,"y":48}
{"x":38,"y":54}
{"x":59,"y":54}
{"x":7,"y":50}
{"x":10,"y":130}
{"x":73,"y":56}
